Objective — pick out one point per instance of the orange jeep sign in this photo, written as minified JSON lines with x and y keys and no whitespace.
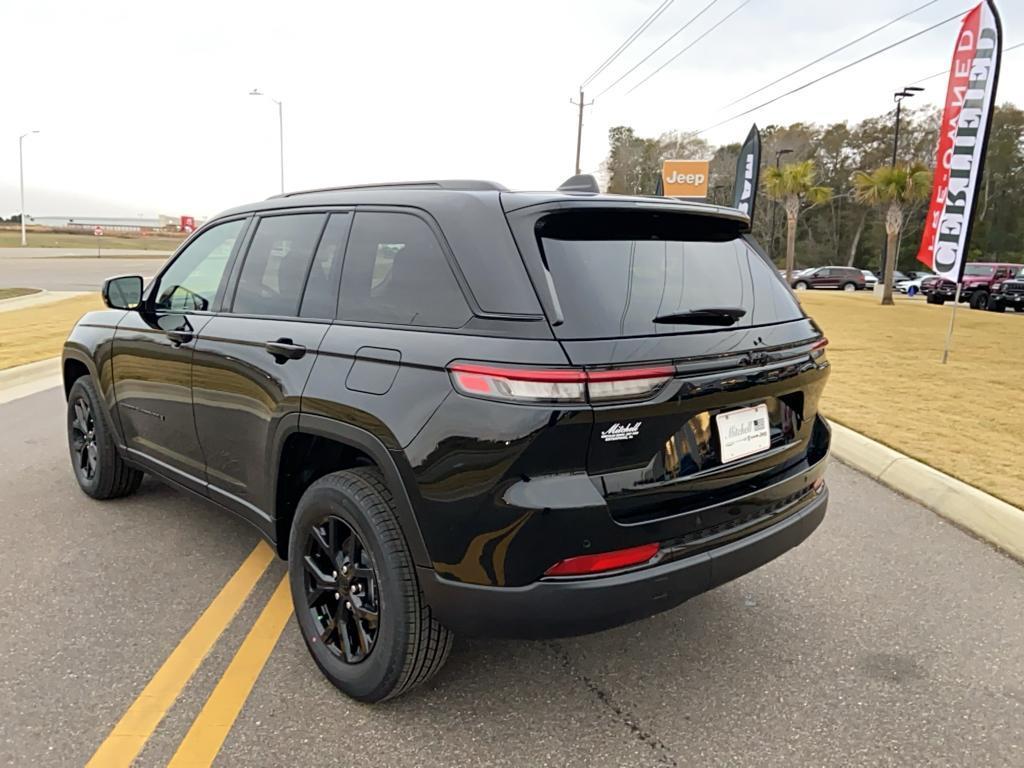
{"x":685,"y":178}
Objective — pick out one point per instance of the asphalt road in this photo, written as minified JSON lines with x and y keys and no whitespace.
{"x":888,"y":638}
{"x":72,"y":273}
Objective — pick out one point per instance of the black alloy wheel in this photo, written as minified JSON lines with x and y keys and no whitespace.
{"x":83,"y":440}
{"x":341,"y":589}
{"x":100,"y":470}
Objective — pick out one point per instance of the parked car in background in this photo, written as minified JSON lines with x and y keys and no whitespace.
{"x":1008,"y":293}
{"x":976,"y":286}
{"x":914,"y":283}
{"x":870,"y":280}
{"x":897,"y":277}
{"x":841,"y":278}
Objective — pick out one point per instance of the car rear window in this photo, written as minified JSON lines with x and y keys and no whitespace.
{"x":612,"y":281}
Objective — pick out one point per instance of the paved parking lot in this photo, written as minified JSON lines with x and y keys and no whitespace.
{"x":889,"y":638}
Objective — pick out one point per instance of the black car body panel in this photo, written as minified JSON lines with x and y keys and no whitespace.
{"x":246,"y":407}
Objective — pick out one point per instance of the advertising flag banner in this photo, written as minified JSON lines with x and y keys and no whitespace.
{"x":963,"y":136}
{"x":748,"y":173}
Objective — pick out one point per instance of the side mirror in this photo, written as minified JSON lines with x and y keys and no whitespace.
{"x":124,"y":292}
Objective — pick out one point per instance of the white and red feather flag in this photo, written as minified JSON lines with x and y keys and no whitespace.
{"x":963,"y":137}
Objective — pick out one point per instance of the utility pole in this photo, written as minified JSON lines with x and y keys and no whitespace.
{"x":21,"y":183}
{"x":579,"y":127}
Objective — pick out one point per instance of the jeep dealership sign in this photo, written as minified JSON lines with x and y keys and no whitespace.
{"x":963,"y":137}
{"x":685,"y":178}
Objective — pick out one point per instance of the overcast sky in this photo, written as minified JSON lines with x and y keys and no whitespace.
{"x":143,"y":107}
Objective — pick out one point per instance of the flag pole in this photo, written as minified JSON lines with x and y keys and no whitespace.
{"x":952,"y":319}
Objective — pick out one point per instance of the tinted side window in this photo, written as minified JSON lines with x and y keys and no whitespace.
{"x":276,"y":264}
{"x":321,"y":297}
{"x":396,"y":272}
{"x":190,"y":283}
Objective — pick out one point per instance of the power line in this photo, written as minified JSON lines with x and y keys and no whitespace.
{"x":835,"y":71}
{"x":701,"y":37}
{"x":667,"y":40}
{"x":830,"y":54}
{"x":629,"y":41}
{"x":946,"y":71}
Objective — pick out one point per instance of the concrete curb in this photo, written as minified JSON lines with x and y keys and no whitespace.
{"x":984,"y":515}
{"x":25,"y":380}
{"x":39,"y":299}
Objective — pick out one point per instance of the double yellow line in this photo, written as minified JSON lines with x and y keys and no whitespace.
{"x":204,"y":739}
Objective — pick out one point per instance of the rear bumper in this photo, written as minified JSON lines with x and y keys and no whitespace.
{"x":560,"y":608}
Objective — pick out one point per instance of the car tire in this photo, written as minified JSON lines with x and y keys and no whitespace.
{"x":800,"y":285}
{"x":99,"y":468}
{"x":849,"y":287}
{"x":979,"y":300}
{"x":387,"y":641}
{"x":994,"y":305}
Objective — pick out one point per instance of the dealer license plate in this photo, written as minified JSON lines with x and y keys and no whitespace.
{"x":743,"y":432}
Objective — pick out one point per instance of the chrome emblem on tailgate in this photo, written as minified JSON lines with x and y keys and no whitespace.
{"x":621,"y":432}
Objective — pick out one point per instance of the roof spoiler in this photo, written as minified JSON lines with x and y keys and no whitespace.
{"x":581,"y":182}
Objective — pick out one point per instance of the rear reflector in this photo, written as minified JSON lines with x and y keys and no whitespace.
{"x":605,"y":561}
{"x":558,"y":385}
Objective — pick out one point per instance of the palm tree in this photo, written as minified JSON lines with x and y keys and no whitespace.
{"x":793,"y":185}
{"x":894,"y":188}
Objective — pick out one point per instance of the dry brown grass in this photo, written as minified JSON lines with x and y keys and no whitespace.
{"x":965,"y":418}
{"x":36,"y":333}
{"x":13,"y":293}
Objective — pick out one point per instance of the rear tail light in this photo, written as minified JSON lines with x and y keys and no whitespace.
{"x":818,"y":348}
{"x":567,"y":385}
{"x":628,"y":382}
{"x":586,"y":565}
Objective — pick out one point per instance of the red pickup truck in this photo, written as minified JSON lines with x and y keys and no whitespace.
{"x":976,"y":287}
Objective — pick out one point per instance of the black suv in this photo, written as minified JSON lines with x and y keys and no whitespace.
{"x":459,"y":409}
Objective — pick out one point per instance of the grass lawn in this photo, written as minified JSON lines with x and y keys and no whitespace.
{"x":964,"y":418}
{"x":10,"y":238}
{"x":36,"y":333}
{"x":13,"y":293}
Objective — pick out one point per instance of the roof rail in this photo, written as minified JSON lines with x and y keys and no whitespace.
{"x":461,"y":185}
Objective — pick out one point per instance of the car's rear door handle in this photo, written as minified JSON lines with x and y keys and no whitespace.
{"x":285,"y":349}
{"x":180,"y":337}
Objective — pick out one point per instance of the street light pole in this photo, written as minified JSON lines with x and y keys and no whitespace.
{"x":280,"y":128}
{"x":21,"y":181}
{"x":778,"y":154}
{"x":898,"y":97}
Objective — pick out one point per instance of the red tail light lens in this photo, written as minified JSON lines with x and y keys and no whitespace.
{"x":558,"y":385}
{"x":605,"y":561}
{"x":530,"y":385}
{"x":627,"y":382}
{"x":818,"y":348}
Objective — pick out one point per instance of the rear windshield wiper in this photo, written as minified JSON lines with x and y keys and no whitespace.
{"x":707,"y":316}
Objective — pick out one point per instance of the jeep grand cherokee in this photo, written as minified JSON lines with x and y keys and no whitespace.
{"x":456,"y":408}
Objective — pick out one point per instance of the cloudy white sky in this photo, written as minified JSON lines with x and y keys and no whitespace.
{"x":143,"y":107}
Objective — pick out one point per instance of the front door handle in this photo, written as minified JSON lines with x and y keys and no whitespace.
{"x":285,"y":349}
{"x":180,"y":337}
